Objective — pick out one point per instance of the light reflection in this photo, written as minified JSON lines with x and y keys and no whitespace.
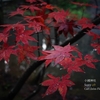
{"x":6,"y":66}
{"x":44,"y":46}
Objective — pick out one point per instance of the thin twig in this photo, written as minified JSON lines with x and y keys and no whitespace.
{"x":40,"y":78}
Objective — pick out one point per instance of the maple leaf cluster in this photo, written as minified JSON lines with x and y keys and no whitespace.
{"x":64,"y":57}
{"x":42,"y":16}
{"x":55,"y":83}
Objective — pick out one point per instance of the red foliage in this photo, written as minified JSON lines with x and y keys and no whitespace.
{"x":6,"y":51}
{"x":58,"y":54}
{"x":95,"y":36}
{"x":84,"y":4}
{"x":66,"y":27}
{"x":85,"y":23}
{"x":42,"y":17}
{"x":96,"y":46}
{"x":25,"y":51}
{"x":72,"y":65}
{"x":18,"y":11}
{"x":24,"y":36}
{"x":57,"y":83}
{"x":3,"y":37}
{"x":59,"y":16}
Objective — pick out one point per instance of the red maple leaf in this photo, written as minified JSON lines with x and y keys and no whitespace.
{"x":48,"y":61}
{"x":89,"y":60}
{"x":96,"y":46}
{"x":59,"y":16}
{"x":58,"y":54}
{"x":66,"y":27}
{"x":42,"y":13}
{"x":32,"y":8}
{"x":37,"y":26}
{"x":24,"y":36}
{"x":57,"y":83}
{"x":34,"y":18}
{"x":37,"y":23}
{"x":7,"y":28}
{"x":72,"y":65}
{"x":4,"y":37}
{"x":95,"y":36}
{"x":18,"y":27}
{"x":6,"y":51}
{"x":48,"y":6}
{"x":17,"y":12}
{"x":75,"y":49}
{"x":85,"y":23}
{"x":25,"y":51}
{"x":31,"y":18}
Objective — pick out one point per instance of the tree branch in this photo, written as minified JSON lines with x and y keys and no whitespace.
{"x":80,"y":34}
{"x":23,"y":79}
